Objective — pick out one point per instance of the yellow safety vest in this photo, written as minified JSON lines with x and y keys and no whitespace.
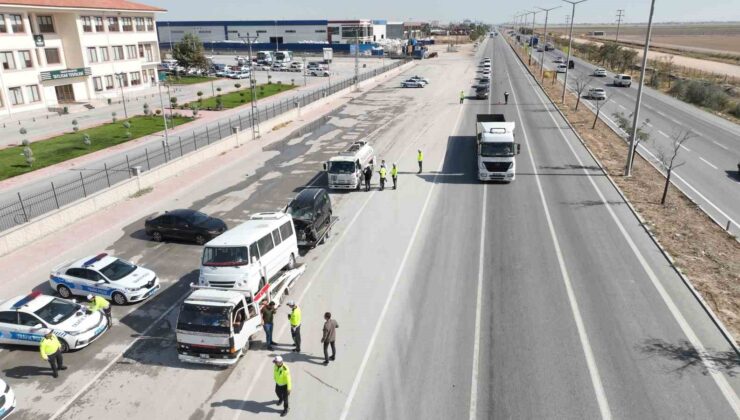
{"x":295,"y":317}
{"x":49,"y":346}
{"x":282,"y":376}
{"x":382,"y":172}
{"x":98,"y":303}
{"x":420,"y":157}
{"x":462,"y":95}
{"x":394,"y":172}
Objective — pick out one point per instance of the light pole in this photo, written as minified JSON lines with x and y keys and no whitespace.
{"x":620,"y":15}
{"x":531,"y":38}
{"x":631,"y":152}
{"x":164,"y":115}
{"x":570,"y":44}
{"x":254,"y":117}
{"x":542,"y":57}
{"x":119,"y":76}
{"x":304,"y":70}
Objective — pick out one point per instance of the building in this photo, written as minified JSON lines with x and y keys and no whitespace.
{"x":379,"y":32}
{"x":56,"y":52}
{"x":394,"y":30}
{"x":275,"y":32}
{"x":350,"y":31}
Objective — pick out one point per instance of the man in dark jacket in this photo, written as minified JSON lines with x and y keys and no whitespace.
{"x":368,"y":173}
{"x":329,"y":337}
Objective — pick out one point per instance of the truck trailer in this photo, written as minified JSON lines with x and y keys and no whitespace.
{"x":495,"y":148}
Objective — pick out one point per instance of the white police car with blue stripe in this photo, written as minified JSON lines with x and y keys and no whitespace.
{"x":106,"y":276}
{"x":7,"y":400}
{"x":24,"y":319}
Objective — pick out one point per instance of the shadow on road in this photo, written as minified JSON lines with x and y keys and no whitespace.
{"x":26,"y":372}
{"x":250,"y":406}
{"x":733,"y":175}
{"x":691,"y":359}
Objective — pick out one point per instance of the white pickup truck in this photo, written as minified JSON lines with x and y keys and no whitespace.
{"x":345,"y":170}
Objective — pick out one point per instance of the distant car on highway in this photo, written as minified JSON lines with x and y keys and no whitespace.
{"x":319,"y":73}
{"x":600,"y":72}
{"x":412,"y":84}
{"x":105,"y":276}
{"x":624,"y":80}
{"x":482,"y":92}
{"x":7,"y":400}
{"x":482,"y":83}
{"x":558,"y":60}
{"x":185,"y":224}
{"x":596,"y":93}
{"x":239,"y":75}
{"x":561,"y":68}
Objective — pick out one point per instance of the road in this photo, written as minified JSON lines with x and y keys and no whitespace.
{"x":543,"y":298}
{"x":710,"y":175}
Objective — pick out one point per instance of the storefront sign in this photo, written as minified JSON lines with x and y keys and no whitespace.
{"x":65,"y":74}
{"x":39,"y":40}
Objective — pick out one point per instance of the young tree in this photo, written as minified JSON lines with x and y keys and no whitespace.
{"x":146,"y":109}
{"x":625,"y":123}
{"x":86,"y":140}
{"x":189,"y":52}
{"x":27,"y":152}
{"x":598,"y":104}
{"x":581,"y":83}
{"x":667,"y":155}
{"x":75,"y":126}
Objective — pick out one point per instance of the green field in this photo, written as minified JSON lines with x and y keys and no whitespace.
{"x":188,"y":80}
{"x":240,"y":97}
{"x":68,"y":146}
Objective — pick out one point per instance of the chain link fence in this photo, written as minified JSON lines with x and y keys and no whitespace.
{"x":24,"y":208}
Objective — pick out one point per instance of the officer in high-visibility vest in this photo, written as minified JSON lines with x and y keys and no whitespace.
{"x":98,"y":303}
{"x":295,"y":325}
{"x":51,"y":351}
{"x":382,"y":172}
{"x":394,"y":175}
{"x":420,"y":159}
{"x":283,"y":384}
{"x":462,"y":96}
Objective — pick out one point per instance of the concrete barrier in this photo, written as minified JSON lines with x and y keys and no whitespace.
{"x":49,"y":223}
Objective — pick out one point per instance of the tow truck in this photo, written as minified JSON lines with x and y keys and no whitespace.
{"x":216,"y":325}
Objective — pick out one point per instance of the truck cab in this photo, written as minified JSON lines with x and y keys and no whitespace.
{"x":496,"y":149}
{"x":215,"y":326}
{"x":345,"y":170}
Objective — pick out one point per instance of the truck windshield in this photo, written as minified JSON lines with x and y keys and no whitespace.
{"x":225,"y":256}
{"x":497,"y":149}
{"x":340,"y":167}
{"x":204,"y":318}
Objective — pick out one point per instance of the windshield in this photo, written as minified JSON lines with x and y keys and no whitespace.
{"x":56,"y":311}
{"x":261,"y":55}
{"x":204,"y":318}
{"x":301,"y":211}
{"x":225,"y":256}
{"x":197,"y":217}
{"x":118,"y":269}
{"x":496,"y":149}
{"x":341,"y":167}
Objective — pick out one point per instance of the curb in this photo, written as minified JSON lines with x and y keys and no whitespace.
{"x":707,"y":309}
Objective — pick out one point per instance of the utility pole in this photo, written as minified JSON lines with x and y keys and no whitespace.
{"x":164,"y":115}
{"x":570,"y":43}
{"x":631,"y":152}
{"x":531,"y":38}
{"x":620,"y":15}
{"x":357,"y":56}
{"x":120,"y":76}
{"x":253,"y":114}
{"x":544,"y":47}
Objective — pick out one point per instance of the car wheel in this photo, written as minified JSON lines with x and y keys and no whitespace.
{"x":119,"y":298}
{"x":64,"y":347}
{"x":200,"y":239}
{"x":64,"y":291}
{"x":291,"y":262}
{"x":157,"y":236}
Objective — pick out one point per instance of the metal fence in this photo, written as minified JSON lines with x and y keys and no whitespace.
{"x":27,"y":207}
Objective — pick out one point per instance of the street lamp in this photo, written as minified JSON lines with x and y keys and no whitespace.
{"x":304,"y":70}
{"x":531,"y":38}
{"x":164,"y":115}
{"x":119,"y":76}
{"x":570,"y":43}
{"x":542,"y":58}
{"x":631,"y":152}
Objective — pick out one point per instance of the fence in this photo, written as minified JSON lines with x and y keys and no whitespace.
{"x":24,"y":208}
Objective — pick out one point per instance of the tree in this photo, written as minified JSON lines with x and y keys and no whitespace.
{"x":667,"y":155}
{"x":86,"y":140}
{"x":27,"y":152}
{"x":581,"y":83}
{"x":189,"y":52}
{"x":146,"y":109}
{"x":598,"y":104}
{"x":200,"y":96}
{"x":113,"y":116}
{"x":625,"y":123}
{"x":75,"y":127}
{"x":127,"y":126}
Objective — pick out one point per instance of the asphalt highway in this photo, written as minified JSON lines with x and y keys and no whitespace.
{"x":542,"y":298}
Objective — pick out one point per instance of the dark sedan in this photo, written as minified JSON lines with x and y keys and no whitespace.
{"x":184,"y":224}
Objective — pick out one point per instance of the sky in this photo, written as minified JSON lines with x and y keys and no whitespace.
{"x":493,"y":11}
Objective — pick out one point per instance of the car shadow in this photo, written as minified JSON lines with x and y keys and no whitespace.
{"x":734,"y":175}
{"x":250,"y":406}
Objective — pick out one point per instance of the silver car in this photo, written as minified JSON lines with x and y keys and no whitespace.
{"x":597,"y":93}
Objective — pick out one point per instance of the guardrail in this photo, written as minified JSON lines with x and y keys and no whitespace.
{"x":26,"y":207}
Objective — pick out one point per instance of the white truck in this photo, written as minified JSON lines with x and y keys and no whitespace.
{"x":495,"y":149}
{"x":345,"y":170}
{"x":216,"y":325}
{"x":328,"y":55}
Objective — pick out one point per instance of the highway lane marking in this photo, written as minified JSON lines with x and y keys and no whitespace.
{"x":392,"y":290}
{"x":621,"y":106}
{"x":708,"y":162}
{"x":685,"y":148}
{"x":593,"y":369}
{"x":662,"y":133}
{"x":718,"y":377}
{"x":478,"y":305}
{"x":720,"y":145}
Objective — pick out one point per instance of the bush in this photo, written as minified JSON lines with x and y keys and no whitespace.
{"x":113,"y":116}
{"x":75,"y":127}
{"x":146,"y":109}
{"x":701,"y":93}
{"x":86,"y":140}
{"x":735,"y":110}
{"x":158,"y":112}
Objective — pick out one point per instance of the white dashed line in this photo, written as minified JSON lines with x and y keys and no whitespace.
{"x":685,"y":148}
{"x":707,"y":162}
{"x":662,"y":133}
{"x":720,"y":145}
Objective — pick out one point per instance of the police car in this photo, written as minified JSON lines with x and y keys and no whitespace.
{"x":105,"y":276}
{"x":7,"y":400}
{"x":25,"y":319}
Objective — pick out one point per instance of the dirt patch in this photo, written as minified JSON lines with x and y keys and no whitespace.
{"x":704,"y":252}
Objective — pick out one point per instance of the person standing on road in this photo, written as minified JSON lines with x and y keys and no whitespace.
{"x":394,"y":175}
{"x":329,"y":337}
{"x":268,"y":314}
{"x":462,"y":96}
{"x":98,"y":303}
{"x":295,"y":325}
{"x":420,"y":158}
{"x":283,"y":384}
{"x":51,"y":351}
{"x":506,"y":97}
{"x":368,"y":173}
{"x":382,"y":173}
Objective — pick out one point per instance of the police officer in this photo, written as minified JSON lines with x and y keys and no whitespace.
{"x":462,"y":96}
{"x":98,"y":303}
{"x":394,"y":175}
{"x":420,"y":158}
{"x":368,"y":173}
{"x":51,"y":351}
{"x":283,"y":384}
{"x":506,"y":97}
{"x":295,"y":325}
{"x":382,"y":173}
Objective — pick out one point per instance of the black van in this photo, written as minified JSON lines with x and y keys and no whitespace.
{"x":311,"y":212}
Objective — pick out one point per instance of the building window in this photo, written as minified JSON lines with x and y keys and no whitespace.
{"x":122,"y":79}
{"x":276,"y":40}
{"x":146,"y":52}
{"x":289,"y":31}
{"x":127,"y":25}
{"x":261,"y":31}
{"x":113,"y":24}
{"x":141,"y":51}
{"x":16,"y":96}
{"x":52,"y":56}
{"x":25,"y":59}
{"x":118,"y":52}
{"x":92,"y":54}
{"x":334,"y":30}
{"x":109,"y":82}
{"x":104,"y":54}
{"x":6,"y":57}
{"x":87,"y":24}
{"x":16,"y":23}
{"x":131,"y":50}
{"x":33,"y":93}
{"x":98,"y":83}
{"x":149,"y":24}
{"x":98,"y":20}
{"x":135,"y":78}
{"x":320,"y":31}
{"x":151,"y":75}
{"x":46,"y":24}
{"x":3,"y":26}
{"x":140,"y":24}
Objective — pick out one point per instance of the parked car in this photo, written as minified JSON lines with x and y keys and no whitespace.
{"x":314,"y":65}
{"x":184,"y":224}
{"x":320,"y":73}
{"x":239,"y":75}
{"x":296,"y":66}
{"x":600,"y":72}
{"x":421,"y":79}
{"x":596,"y":93}
{"x":279,"y":67}
{"x":624,"y":80}
{"x":482,"y":83}
{"x":7,"y":400}
{"x":561,"y":68}
{"x":312,"y":215}
{"x":412,"y":84}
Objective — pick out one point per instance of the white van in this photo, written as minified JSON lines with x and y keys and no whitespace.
{"x":250,"y":254}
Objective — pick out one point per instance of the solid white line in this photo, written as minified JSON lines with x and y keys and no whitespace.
{"x":727,"y":390}
{"x":392,"y":290}
{"x":685,"y":148}
{"x":720,"y":145}
{"x":662,"y":133}
{"x":593,"y":369}
{"x":478,"y":305}
{"x":708,"y":162}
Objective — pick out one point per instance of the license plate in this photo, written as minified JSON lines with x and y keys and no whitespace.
{"x":100,"y":329}
{"x":151,"y":292}
{"x":205,"y":356}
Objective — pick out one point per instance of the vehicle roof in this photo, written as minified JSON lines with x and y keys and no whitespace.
{"x":31,"y":302}
{"x":212,"y":296}
{"x":96,"y":262}
{"x":181,"y":212}
{"x":307,"y":195}
{"x":249,"y":231}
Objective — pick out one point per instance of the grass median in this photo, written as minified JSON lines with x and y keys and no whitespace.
{"x":239,"y":97}
{"x":71,"y":145}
